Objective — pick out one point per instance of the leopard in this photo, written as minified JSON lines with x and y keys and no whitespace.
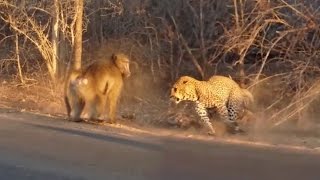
{"x":222,"y":93}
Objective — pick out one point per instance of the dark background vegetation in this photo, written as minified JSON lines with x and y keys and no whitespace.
{"x":271,"y":47}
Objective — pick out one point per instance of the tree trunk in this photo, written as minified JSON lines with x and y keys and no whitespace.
{"x":99,"y":23}
{"x":78,"y":36}
{"x":55,"y":36}
{"x":95,"y":31}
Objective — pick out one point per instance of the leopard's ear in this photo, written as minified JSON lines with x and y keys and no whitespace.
{"x":114,"y":57}
{"x":174,"y":89}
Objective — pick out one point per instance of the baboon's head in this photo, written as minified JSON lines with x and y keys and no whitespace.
{"x":122,"y":62}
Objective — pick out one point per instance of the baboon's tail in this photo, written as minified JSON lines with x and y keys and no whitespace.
{"x":248,"y":97}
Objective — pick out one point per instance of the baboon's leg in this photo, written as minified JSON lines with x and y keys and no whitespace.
{"x":92,"y":110}
{"x":81,"y":105}
{"x":95,"y":107}
{"x":78,"y":105}
{"x":68,"y":107}
{"x":100,"y":106}
{"x":113,"y":97}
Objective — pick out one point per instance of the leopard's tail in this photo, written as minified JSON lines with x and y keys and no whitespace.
{"x":248,"y":97}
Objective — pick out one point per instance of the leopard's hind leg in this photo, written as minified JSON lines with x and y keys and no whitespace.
{"x":228,"y":116}
{"x":236,"y":108}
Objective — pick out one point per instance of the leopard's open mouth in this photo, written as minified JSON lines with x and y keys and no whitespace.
{"x":175,"y":99}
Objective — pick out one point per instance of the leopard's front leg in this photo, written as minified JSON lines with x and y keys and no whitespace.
{"x":202,"y":112}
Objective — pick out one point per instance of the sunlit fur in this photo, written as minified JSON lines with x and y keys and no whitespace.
{"x":100,"y":84}
{"x":218,"y":92}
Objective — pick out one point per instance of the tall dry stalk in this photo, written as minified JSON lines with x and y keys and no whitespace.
{"x":18,"y":59}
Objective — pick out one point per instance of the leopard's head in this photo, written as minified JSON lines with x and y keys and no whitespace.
{"x":183,"y":90}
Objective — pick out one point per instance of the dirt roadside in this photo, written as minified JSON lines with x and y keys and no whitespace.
{"x":270,"y":141}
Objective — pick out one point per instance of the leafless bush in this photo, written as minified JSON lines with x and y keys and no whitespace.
{"x":284,"y":38}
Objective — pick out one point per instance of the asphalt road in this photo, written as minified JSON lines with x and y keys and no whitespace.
{"x":33,"y":147}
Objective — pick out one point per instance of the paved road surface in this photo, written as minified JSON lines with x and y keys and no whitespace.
{"x":33,"y":147}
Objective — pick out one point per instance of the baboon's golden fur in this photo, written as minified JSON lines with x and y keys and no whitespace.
{"x":100,"y":84}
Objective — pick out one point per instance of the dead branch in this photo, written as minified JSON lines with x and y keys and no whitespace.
{"x":185,"y":44}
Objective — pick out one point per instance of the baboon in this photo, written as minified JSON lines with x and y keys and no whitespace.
{"x":100,"y":83}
